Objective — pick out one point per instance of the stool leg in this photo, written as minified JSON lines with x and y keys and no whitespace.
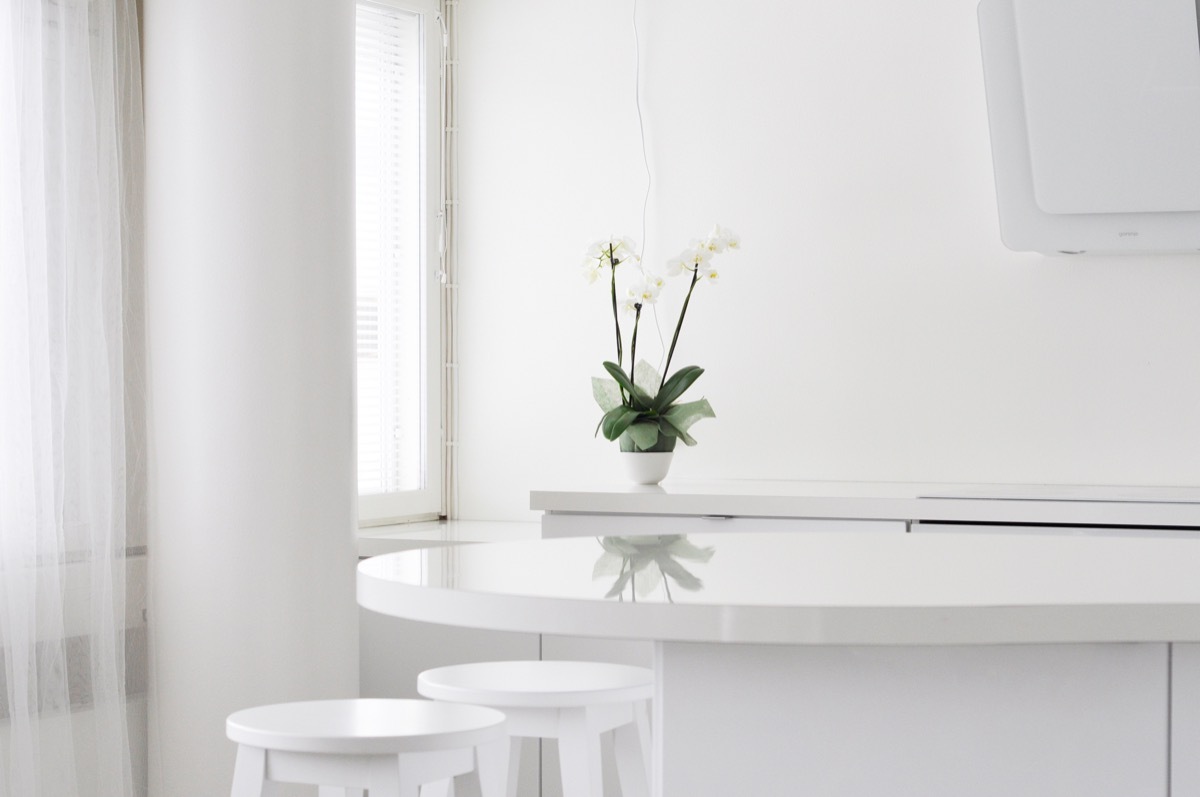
{"x":387,"y":779}
{"x":492,"y":764}
{"x":496,"y":764}
{"x":250,"y":773}
{"x":464,"y":785}
{"x":439,"y":788}
{"x":579,"y":754}
{"x":514,"y":766}
{"x":633,"y":765}
{"x":641,"y":716}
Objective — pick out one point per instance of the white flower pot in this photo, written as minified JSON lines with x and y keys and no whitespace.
{"x":647,"y":467}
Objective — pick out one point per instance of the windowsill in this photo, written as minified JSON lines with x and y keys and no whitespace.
{"x":377,"y":540}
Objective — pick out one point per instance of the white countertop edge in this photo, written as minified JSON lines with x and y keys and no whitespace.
{"x":815,"y":625}
{"x":1058,"y":504}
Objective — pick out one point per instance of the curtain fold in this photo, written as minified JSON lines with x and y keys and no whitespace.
{"x":70,"y":122}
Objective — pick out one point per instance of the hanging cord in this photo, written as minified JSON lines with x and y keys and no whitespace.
{"x":637,"y":99}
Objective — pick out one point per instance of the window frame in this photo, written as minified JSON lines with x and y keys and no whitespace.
{"x":426,"y":502}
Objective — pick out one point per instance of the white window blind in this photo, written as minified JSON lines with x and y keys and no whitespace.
{"x":396,"y":410}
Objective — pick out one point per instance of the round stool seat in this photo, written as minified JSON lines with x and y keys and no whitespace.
{"x":364,"y":726}
{"x":572,"y":702}
{"x":537,"y":684}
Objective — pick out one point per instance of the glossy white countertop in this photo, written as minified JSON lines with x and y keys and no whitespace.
{"x":999,"y":503}
{"x":375,"y":540}
{"x":814,"y":588}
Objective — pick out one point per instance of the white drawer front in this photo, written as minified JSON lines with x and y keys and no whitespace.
{"x":555,"y":524}
{"x":1056,"y":530}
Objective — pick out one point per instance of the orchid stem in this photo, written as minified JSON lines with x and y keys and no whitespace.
{"x":633,"y":344}
{"x":678,"y":325}
{"x":612,"y":266}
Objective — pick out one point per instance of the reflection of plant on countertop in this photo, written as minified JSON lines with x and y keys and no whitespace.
{"x":630,"y":560}
{"x":640,"y":405}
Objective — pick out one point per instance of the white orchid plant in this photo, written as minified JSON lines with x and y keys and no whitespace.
{"x":641,"y":407}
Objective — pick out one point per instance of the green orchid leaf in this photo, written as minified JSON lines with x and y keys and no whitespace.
{"x":610,"y":416}
{"x":637,"y":396}
{"x":646,"y":580}
{"x":646,"y":377}
{"x":619,"y":545}
{"x":682,"y":416}
{"x":640,"y":562}
{"x":609,"y":564}
{"x":675,"y":387}
{"x":666,"y":437}
{"x":669,"y":429}
{"x":682,"y":548}
{"x":606,"y":393}
{"x":618,"y":373}
{"x":644,"y":434}
{"x":619,"y":586}
{"x":680,"y":574}
{"x":616,"y":421}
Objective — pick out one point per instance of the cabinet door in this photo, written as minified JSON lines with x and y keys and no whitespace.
{"x":935,"y":721}
{"x":1185,"y":720}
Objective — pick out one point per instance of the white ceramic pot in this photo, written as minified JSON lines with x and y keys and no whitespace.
{"x":647,"y":467}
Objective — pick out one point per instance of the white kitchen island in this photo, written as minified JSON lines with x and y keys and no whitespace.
{"x":874,"y":663}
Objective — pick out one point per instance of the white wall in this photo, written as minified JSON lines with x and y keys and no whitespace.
{"x":873,"y":327}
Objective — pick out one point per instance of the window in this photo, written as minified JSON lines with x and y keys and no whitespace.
{"x":397,"y":141}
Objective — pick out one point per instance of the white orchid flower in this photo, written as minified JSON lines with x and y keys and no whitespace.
{"x":714,"y":243}
{"x":697,"y":258}
{"x":607,"y":253}
{"x":612,"y":251}
{"x":689,"y":260}
{"x":644,"y":291}
{"x":731,"y":239}
{"x":709,"y":274}
{"x":590,"y":269}
{"x":629,"y":305}
{"x":619,"y":250}
{"x":719,"y":239}
{"x":594,"y":261}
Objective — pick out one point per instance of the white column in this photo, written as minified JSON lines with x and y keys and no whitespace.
{"x":250,"y":324}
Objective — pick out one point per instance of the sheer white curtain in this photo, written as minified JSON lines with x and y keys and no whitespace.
{"x":69,"y":122}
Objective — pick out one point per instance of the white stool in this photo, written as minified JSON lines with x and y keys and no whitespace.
{"x":388,"y":747}
{"x":571,"y":701}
